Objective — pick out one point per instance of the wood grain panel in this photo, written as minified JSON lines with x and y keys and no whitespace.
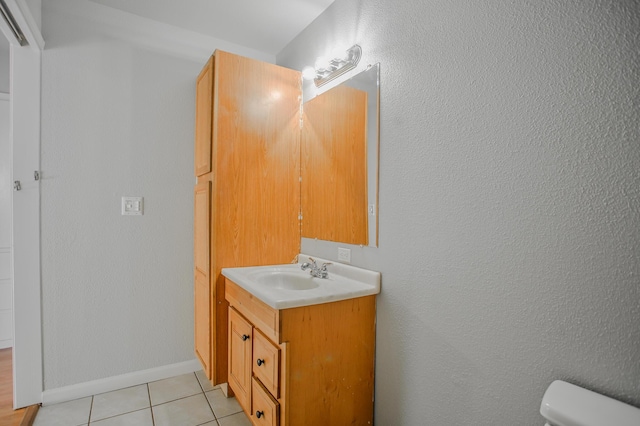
{"x":202,"y":221}
{"x":264,"y":404}
{"x":202,"y":292}
{"x":334,"y":167}
{"x":255,"y":171}
{"x":331,"y":346}
{"x":204,"y":104}
{"x":255,"y":310}
{"x":269,"y":369}
{"x":240,"y":358}
{"x":257,"y":162}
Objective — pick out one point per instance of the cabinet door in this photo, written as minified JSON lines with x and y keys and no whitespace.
{"x":204,"y":109}
{"x":202,"y":291}
{"x":257,"y":161}
{"x":334,"y":152}
{"x":240,"y":341}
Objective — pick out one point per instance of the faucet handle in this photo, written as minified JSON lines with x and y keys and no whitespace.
{"x":324,"y":266}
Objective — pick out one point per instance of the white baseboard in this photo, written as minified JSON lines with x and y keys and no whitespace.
{"x":94,"y":387}
{"x":4,"y":344}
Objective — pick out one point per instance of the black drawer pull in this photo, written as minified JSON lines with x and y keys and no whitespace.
{"x":245,"y":337}
{"x":259,"y":414}
{"x":260,"y":362}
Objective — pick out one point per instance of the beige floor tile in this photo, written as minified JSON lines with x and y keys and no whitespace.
{"x":204,"y":382}
{"x":191,"y":411}
{"x":174,"y":388}
{"x":239,"y":419}
{"x":120,"y":402}
{"x":221,"y":405}
{"x":72,"y":413}
{"x":136,"y":418}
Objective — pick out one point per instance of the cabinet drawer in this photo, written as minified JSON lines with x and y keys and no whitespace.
{"x":266,"y":410}
{"x":256,"y":311}
{"x":266,"y":363}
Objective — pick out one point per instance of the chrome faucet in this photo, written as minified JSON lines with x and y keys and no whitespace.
{"x":318,"y":272}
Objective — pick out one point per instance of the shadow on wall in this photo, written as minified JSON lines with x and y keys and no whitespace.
{"x":436,"y":354}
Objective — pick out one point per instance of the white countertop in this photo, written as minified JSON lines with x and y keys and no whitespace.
{"x":343,"y":282}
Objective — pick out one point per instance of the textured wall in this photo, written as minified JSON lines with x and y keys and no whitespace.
{"x":117,"y":120}
{"x":509,"y":201}
{"x":4,"y":66}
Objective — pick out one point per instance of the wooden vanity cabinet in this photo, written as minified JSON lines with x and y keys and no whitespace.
{"x":247,"y":150}
{"x":311,"y":365}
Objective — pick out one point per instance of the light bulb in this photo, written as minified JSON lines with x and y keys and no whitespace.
{"x":308,"y":73}
{"x":322,"y":63}
{"x":339,"y":53}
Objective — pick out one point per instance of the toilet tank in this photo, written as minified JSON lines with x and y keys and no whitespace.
{"x":565,"y":404}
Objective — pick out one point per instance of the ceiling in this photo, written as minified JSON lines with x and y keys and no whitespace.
{"x":263,"y":25}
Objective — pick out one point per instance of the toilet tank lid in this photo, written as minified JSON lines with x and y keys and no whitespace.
{"x":565,"y":404}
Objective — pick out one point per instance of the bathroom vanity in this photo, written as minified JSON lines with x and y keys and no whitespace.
{"x":295,"y":349}
{"x":301,"y":349}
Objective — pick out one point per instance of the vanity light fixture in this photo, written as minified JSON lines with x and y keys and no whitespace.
{"x":328,"y":69}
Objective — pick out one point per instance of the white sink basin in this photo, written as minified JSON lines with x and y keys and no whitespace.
{"x":283,"y":279}
{"x":288,"y":286}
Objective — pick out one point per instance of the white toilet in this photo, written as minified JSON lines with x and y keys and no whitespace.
{"x":565,"y":404}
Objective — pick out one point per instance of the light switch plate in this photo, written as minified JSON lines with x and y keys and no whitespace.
{"x":132,"y":206}
{"x":344,"y":255}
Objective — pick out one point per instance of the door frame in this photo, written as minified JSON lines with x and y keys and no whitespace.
{"x":25,"y":82}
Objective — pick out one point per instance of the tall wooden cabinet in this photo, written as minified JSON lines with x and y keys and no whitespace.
{"x":247,"y":198}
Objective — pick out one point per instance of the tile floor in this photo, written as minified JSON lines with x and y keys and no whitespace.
{"x":186,"y":400}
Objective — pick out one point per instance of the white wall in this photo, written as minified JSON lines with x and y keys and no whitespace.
{"x":35,"y":8}
{"x":118,"y":99}
{"x":509,"y":201}
{"x":6,"y":276}
{"x":4,"y":65}
{"x":117,"y":120}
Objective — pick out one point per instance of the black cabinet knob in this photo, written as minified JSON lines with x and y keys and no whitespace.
{"x":245,"y":337}
{"x":260,"y":362}
{"x":259,"y":414}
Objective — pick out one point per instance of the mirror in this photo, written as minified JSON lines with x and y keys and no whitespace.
{"x":339,"y":162}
